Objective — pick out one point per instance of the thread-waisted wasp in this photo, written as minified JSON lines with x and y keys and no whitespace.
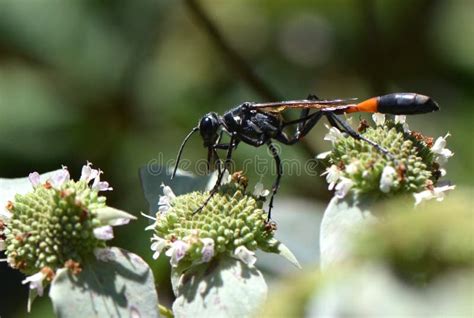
{"x":258,"y":124}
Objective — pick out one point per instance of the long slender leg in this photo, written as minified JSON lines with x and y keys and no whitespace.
{"x":333,"y":122}
{"x":303,"y":131}
{"x":277,"y":180}
{"x":220,"y":174}
{"x":348,"y":129}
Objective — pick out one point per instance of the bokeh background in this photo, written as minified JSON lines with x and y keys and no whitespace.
{"x":120,"y":83}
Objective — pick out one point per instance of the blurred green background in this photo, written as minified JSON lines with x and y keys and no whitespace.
{"x":120,"y":83}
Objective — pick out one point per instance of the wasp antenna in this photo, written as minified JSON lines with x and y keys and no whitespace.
{"x":181,"y":149}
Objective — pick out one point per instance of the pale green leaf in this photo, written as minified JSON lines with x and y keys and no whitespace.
{"x":224,"y":288}
{"x":120,"y":287}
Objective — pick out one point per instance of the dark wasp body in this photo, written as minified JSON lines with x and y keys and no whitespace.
{"x":259,"y":124}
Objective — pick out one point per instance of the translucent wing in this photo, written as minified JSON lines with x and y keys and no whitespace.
{"x":277,"y":107}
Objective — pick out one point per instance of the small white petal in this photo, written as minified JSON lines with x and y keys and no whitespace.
{"x":36,"y":282}
{"x":207,"y":249}
{"x":157,"y":245}
{"x":168,"y":192}
{"x":60,"y":178}
{"x":436,"y":193}
{"x":439,"y":144}
{"x":98,"y":185}
{"x":259,"y":191}
{"x":245,"y":255}
{"x":387,"y":178}
{"x":164,"y":200}
{"x":104,"y":254}
{"x":226,"y":178}
{"x":87,"y":173}
{"x":34,"y":178}
{"x":333,"y":135}
{"x":378,"y":118}
{"x":343,"y":187}
{"x":439,"y":149}
{"x":323,"y":155}
{"x":177,"y":252}
{"x":352,"y":168}
{"x":400,"y":119}
{"x":333,"y":173}
{"x":119,"y":221}
{"x":104,"y":232}
{"x":5,"y":214}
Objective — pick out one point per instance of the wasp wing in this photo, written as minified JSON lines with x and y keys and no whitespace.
{"x":277,"y":107}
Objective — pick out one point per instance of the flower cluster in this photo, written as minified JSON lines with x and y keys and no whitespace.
{"x":231,"y":223}
{"x":58,"y":224}
{"x":415,"y":165}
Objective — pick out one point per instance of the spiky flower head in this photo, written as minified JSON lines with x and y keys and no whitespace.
{"x":58,"y":224}
{"x":415,"y":164}
{"x":233,"y":222}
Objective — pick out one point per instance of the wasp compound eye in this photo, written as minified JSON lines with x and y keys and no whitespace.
{"x":208,"y":128}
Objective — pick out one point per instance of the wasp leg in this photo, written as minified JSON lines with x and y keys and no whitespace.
{"x":333,"y":122}
{"x":276,"y":185}
{"x":220,"y":174}
{"x":349,"y":130}
{"x":310,"y":122}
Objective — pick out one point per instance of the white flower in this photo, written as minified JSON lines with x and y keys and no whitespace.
{"x":104,"y":233}
{"x":104,"y":254}
{"x":100,"y":185}
{"x":36,"y":282}
{"x":378,"y":118}
{"x":60,"y":178}
{"x":259,"y":191}
{"x":119,"y":221}
{"x":246,"y":256}
{"x":439,"y":149}
{"x":333,"y":135}
{"x":87,"y":173}
{"x":333,"y":173}
{"x":164,"y":204}
{"x":352,"y":168}
{"x":157,"y":245}
{"x":343,"y":187}
{"x":5,"y":214}
{"x":226,"y":177}
{"x":177,"y":252}
{"x":401,"y":119}
{"x":34,"y":178}
{"x":207,"y":249}
{"x":387,"y":178}
{"x":435,"y":193}
{"x":323,"y":155}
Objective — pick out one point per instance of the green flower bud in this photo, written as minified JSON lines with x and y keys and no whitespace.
{"x":232,"y":218}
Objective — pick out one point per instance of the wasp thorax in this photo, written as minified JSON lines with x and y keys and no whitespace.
{"x":208,"y":127}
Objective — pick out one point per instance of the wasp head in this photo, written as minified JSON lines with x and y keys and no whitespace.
{"x":208,"y":127}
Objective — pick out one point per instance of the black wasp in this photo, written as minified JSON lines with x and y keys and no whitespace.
{"x":259,"y":124}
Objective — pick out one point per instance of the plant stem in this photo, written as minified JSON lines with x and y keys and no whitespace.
{"x":165,"y":311}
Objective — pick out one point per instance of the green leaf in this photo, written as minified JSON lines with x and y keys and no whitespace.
{"x":279,"y":248}
{"x":342,"y":219}
{"x":123,"y":286}
{"x":109,"y":215}
{"x":225,"y":287}
{"x":10,"y":187}
{"x":153,"y":176}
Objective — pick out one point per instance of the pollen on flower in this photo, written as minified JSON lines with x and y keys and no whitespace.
{"x":232,"y":218}
{"x":56,"y":225}
{"x":357,"y":167}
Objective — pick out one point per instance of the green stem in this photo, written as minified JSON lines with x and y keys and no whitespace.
{"x":165,"y":311}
